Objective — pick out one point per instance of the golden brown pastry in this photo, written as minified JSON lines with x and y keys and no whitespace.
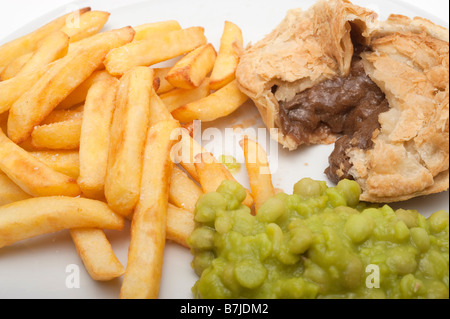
{"x":377,"y":89}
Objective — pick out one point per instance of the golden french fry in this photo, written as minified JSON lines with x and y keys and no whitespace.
{"x":97,"y":255}
{"x":180,"y":224}
{"x":164,"y":85}
{"x":127,"y":140}
{"x":219,"y":104}
{"x":158,"y":110}
{"x":193,"y":68}
{"x":179,"y":97}
{"x":211,"y":174}
{"x":32,"y":175}
{"x":9,"y":191}
{"x":154,"y":50}
{"x":54,"y":86}
{"x":88,"y":24}
{"x":63,"y":135}
{"x":148,"y":228}
{"x":149,"y":30}
{"x":188,"y":150}
{"x":64,"y":115}
{"x":78,"y":95}
{"x":65,"y":162}
{"x":28,"y":43}
{"x":184,"y":192}
{"x":12,"y":89}
{"x":50,"y":49}
{"x":95,"y":136}
{"x":43,"y":215}
{"x":231,"y":46}
{"x":15,"y":66}
{"x":258,"y":171}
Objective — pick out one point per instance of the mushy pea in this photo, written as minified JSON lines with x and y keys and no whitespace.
{"x":319,"y":242}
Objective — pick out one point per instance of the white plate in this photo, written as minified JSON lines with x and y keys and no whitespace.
{"x":42,"y":267}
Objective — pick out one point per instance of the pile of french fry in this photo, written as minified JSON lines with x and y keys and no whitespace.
{"x":87,"y":134}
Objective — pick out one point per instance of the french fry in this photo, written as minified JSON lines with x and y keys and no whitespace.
{"x":64,"y":115}
{"x":149,"y":30}
{"x":63,"y":135}
{"x":54,"y":86}
{"x":148,"y":229}
{"x":184,"y":192}
{"x":219,"y":104}
{"x":189,"y":149}
{"x":43,"y":215}
{"x":65,"y":162}
{"x":180,"y":224}
{"x":127,"y":140}
{"x":32,"y":175}
{"x":78,"y":95}
{"x":164,"y":85}
{"x":12,"y":89}
{"x":193,"y":68}
{"x":28,"y":43}
{"x":231,"y":46}
{"x":211,"y":174}
{"x":88,"y":24}
{"x":258,"y":171}
{"x":10,"y":192}
{"x":154,"y":50}
{"x":50,"y":49}
{"x":97,"y":255}
{"x":158,"y":110}
{"x":15,"y":66}
{"x":95,"y":136}
{"x":179,"y":97}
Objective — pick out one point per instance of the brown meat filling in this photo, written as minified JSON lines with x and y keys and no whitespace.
{"x":349,"y":106}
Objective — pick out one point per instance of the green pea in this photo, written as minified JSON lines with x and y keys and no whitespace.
{"x":271,"y":210}
{"x":374,"y":213}
{"x":223,"y":223}
{"x":250,"y":273}
{"x":275,"y":235}
{"x":202,"y":260}
{"x":420,"y":238}
{"x":230,"y":162}
{"x":202,"y":238}
{"x":402,"y":261}
{"x":353,"y":273}
{"x":359,"y":228}
{"x":234,"y":192}
{"x":300,"y":240}
{"x":335,"y":198}
{"x":243,"y":220}
{"x":350,"y":190}
{"x":438,"y":221}
{"x":297,"y":288}
{"x":207,"y":205}
{"x":346,"y":211}
{"x":433,"y":264}
{"x":409,"y":217}
{"x":401,"y":231}
{"x":308,"y":187}
{"x":410,"y":286}
{"x":229,"y":279}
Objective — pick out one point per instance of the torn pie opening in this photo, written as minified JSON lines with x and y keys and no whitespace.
{"x":343,"y":106}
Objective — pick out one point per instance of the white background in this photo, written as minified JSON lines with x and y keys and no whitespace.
{"x":14,"y":14}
